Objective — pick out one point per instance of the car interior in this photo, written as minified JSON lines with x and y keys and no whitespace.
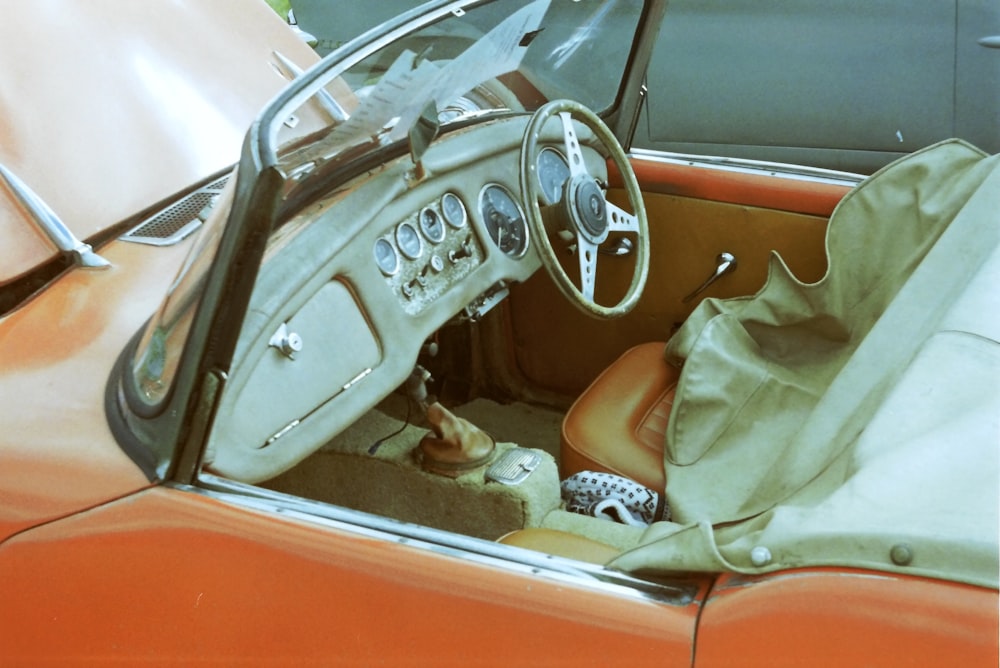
{"x":466,"y":335}
{"x":420,"y":351}
{"x":506,"y":402}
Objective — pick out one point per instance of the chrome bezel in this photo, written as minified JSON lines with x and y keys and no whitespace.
{"x":434,"y":239}
{"x":395,"y":255}
{"x":409,"y":254}
{"x":517,"y":205}
{"x":459,"y":224}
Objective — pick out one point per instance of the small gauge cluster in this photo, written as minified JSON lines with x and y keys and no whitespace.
{"x":433,"y":248}
{"x":421,"y":255}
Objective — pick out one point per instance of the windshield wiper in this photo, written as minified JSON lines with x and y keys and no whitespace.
{"x":81,"y":254}
{"x":323,"y":97}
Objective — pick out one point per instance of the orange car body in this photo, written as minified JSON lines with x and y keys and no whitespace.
{"x":98,"y":564}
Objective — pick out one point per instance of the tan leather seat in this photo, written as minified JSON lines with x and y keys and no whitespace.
{"x":617,"y":425}
{"x":561,"y":543}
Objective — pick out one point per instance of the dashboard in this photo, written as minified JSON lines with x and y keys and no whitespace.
{"x":353,"y":285}
{"x":435,"y":246}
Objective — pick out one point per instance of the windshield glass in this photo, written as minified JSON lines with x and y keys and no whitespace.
{"x":455,"y":64}
{"x":463,"y":64}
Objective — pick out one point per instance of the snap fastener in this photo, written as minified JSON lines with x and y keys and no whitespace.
{"x":760,"y":556}
{"x":901,"y":554}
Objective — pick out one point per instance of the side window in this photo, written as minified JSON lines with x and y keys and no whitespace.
{"x":840,"y":84}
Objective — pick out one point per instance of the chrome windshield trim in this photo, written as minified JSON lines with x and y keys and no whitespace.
{"x":759,"y":167}
{"x":679,"y":592}
{"x":49,"y":223}
{"x":311,"y":82}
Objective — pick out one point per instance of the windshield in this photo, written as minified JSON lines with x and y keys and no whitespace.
{"x":450,"y":65}
{"x":498,"y":57}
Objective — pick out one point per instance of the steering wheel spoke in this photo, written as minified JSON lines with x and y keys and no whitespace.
{"x":587,"y":253}
{"x":620,"y":220}
{"x":571,"y":144}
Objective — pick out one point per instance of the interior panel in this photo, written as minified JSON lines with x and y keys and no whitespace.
{"x":687,"y":233}
{"x":286,"y":386}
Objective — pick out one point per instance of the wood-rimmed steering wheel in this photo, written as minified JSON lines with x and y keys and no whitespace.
{"x":583,"y":210}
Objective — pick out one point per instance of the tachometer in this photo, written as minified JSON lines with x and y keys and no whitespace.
{"x":504,"y":220}
{"x":553,"y":172}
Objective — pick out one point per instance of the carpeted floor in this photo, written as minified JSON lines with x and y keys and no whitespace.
{"x":390,"y":482}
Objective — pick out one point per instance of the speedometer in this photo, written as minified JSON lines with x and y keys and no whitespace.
{"x":504,"y":220}
{"x":553,"y":172}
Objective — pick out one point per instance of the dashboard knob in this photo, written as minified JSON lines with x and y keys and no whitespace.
{"x":287,"y":342}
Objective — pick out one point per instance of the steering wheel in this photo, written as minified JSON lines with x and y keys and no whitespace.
{"x":583,"y":210}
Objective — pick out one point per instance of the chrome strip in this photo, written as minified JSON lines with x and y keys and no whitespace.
{"x":758,"y":167}
{"x":496,"y":555}
{"x":47,"y":220}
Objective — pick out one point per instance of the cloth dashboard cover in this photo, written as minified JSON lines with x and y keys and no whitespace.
{"x":832,"y":423}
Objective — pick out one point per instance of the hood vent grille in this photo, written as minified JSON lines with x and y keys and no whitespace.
{"x":173,"y":224}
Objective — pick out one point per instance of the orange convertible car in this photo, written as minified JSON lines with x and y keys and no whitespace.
{"x":418,"y":363}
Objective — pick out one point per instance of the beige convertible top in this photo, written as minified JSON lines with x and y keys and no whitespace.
{"x":854,"y":421}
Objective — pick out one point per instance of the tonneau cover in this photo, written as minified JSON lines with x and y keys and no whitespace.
{"x":854,"y":421}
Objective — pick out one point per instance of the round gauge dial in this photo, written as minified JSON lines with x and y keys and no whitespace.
{"x":453,"y":210}
{"x":431,"y":225}
{"x":553,"y":172}
{"x":504,"y":220}
{"x":408,"y":240}
{"x":386,"y":257}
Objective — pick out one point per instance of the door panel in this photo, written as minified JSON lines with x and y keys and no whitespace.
{"x":695,"y":213}
{"x":180,"y":577}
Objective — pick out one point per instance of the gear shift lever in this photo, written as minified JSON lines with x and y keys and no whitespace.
{"x":455,"y":445}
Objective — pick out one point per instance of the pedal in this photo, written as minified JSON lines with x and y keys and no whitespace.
{"x":513,"y":467}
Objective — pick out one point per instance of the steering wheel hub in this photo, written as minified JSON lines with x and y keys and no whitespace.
{"x":588,"y":210}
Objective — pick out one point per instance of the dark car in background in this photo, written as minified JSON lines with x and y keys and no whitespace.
{"x":847,"y":85}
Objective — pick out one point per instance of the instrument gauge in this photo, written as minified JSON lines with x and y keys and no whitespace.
{"x":386,"y":257}
{"x":553,"y":172}
{"x":431,"y":225}
{"x":504,"y":220}
{"x":453,"y":210}
{"x":408,"y":240}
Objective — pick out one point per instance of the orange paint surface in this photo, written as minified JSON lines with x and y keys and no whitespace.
{"x":847,"y":618}
{"x":173,"y":575}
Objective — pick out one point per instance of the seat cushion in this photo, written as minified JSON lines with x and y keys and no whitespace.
{"x":561,"y":543}
{"x":618,"y":423}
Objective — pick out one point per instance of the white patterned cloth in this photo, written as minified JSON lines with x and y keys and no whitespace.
{"x":612,"y":497}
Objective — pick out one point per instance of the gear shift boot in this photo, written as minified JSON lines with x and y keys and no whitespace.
{"x":455,"y":446}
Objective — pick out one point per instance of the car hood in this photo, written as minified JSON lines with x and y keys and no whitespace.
{"x":111,"y":106}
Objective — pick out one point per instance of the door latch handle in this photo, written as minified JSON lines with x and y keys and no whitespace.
{"x":725,"y":264}
{"x":991,"y":42}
